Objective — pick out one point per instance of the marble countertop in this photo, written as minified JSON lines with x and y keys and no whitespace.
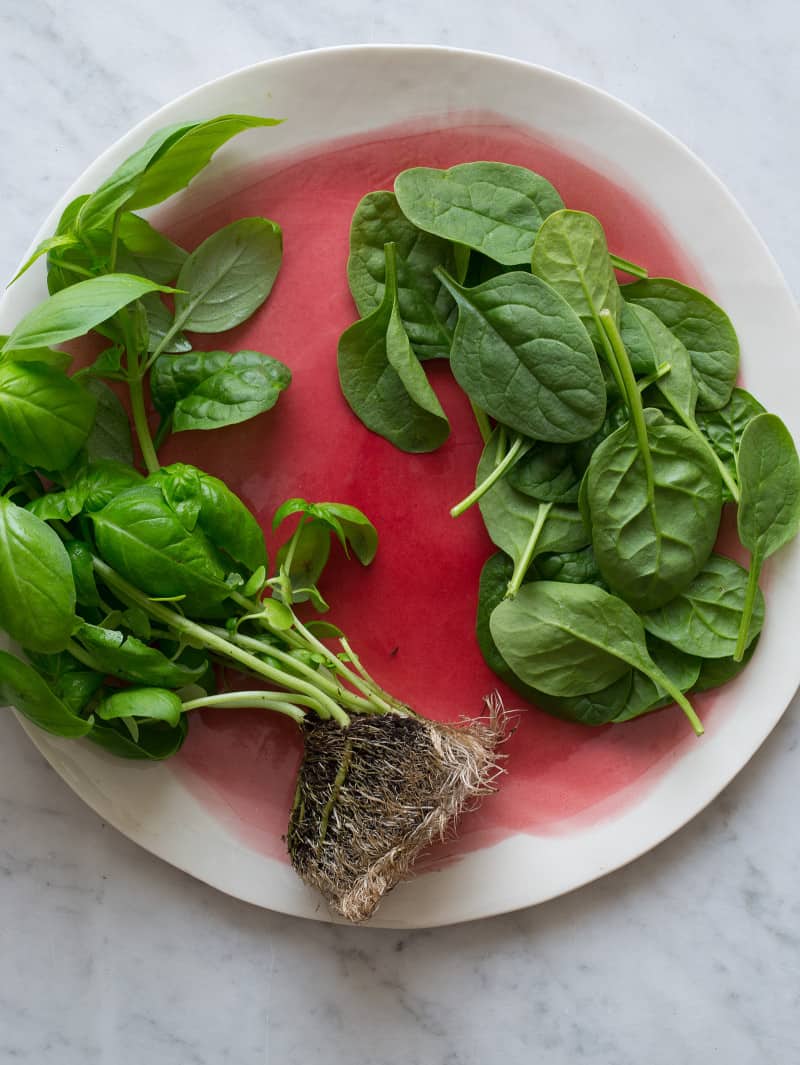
{"x":690,"y":955}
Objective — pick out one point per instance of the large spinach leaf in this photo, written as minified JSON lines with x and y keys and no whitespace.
{"x":522,"y":355}
{"x":494,"y":208}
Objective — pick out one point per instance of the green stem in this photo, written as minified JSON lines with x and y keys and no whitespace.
{"x":204,"y":637}
{"x":282,"y":702}
{"x":663,"y":681}
{"x":627,"y":267}
{"x":521,"y":568}
{"x":374,"y":687}
{"x":72,"y":268}
{"x":83,"y":656}
{"x":608,"y":351}
{"x":742,"y":640}
{"x":633,"y":399}
{"x":482,"y":419}
{"x":513,"y":455}
{"x":644,"y":382}
{"x":136,"y":389}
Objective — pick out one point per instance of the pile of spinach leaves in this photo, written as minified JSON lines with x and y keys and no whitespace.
{"x":613,"y":428}
{"x":125,"y":588}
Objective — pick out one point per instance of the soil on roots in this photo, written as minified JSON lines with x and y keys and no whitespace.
{"x":371,"y":796}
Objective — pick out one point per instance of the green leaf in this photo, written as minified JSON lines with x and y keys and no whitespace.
{"x":98,"y":209}
{"x":155,"y":741}
{"x":493,"y":208}
{"x":644,"y":358}
{"x":547,"y":472}
{"x":522,"y":355}
{"x":23,"y":688}
{"x":571,"y":255}
{"x":703,"y":619}
{"x":94,"y":486}
{"x":575,"y":639}
{"x":678,"y":387}
{"x":650,"y":544}
{"x":769,"y":476}
{"x":702,"y":327}
{"x":37,"y":592}
{"x":723,"y":428}
{"x":58,"y":360}
{"x":160,"y":322}
{"x":571,"y":567}
{"x":383,"y":381}
{"x":146,"y":704}
{"x":45,"y":417}
{"x":186,"y":156}
{"x":229,"y":276}
{"x":715,"y":672}
{"x":139,"y":535}
{"x":75,"y":310}
{"x":310,"y":548}
{"x":510,"y":517}
{"x":350,"y":525}
{"x":129,"y":658}
{"x":220,"y":514}
{"x":147,"y":253}
{"x":210,"y":389}
{"x":647,"y":695}
{"x":427,"y":311}
{"x":110,"y":438}
{"x":59,"y":240}
{"x":80,"y":557}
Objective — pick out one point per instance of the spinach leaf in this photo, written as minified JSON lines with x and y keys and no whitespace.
{"x":643,"y":355}
{"x":143,"y":704}
{"x":715,"y":672}
{"x":646,"y":694}
{"x":37,"y":592}
{"x":571,"y":567}
{"x":547,"y":472}
{"x":704,"y":618}
{"x":426,"y":308}
{"x":654,"y":516}
{"x":575,"y":639}
{"x":382,"y":380}
{"x":571,"y":255}
{"x":724,"y":427}
{"x":209,"y":389}
{"x":519,"y":525}
{"x":23,"y":688}
{"x":110,"y":436}
{"x":216,"y":510}
{"x":349,"y":524}
{"x":678,"y":387}
{"x":141,"y":536}
{"x":128,"y":658}
{"x":154,"y":740}
{"x":45,"y":417}
{"x":228,"y":276}
{"x":493,"y":208}
{"x":522,"y":355}
{"x":75,"y":310}
{"x":702,"y":327}
{"x":769,"y":507}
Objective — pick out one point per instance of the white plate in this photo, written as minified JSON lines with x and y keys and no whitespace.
{"x":343,"y":91}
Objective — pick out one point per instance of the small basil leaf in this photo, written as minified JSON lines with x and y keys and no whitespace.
{"x":23,"y":688}
{"x":80,"y":558}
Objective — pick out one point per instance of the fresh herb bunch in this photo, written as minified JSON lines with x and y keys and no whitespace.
{"x":125,"y":588}
{"x":613,"y":434}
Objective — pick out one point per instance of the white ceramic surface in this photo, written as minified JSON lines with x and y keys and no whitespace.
{"x":315,"y":92}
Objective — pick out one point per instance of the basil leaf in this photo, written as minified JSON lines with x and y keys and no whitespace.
{"x":185,"y":157}
{"x":493,"y":208}
{"x":209,"y":389}
{"x":145,"y":252}
{"x":94,"y":486}
{"x":160,"y":322}
{"x":522,"y":355}
{"x":427,"y":311}
{"x":571,"y":255}
{"x":155,"y":741}
{"x":140,"y":536}
{"x":110,"y":437}
{"x":383,"y":381}
{"x":80,"y":558}
{"x":350,"y":525}
{"x":704,"y":618}
{"x":129,"y":658}
{"x":23,"y":688}
{"x":312,"y":547}
{"x":221,"y":515}
{"x":58,"y":360}
{"x":37,"y":592}
{"x":147,"y":704}
{"x":45,"y":417}
{"x":702,"y":327}
{"x":229,"y":276}
{"x":75,"y":310}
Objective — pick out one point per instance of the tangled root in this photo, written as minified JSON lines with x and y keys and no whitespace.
{"x":371,"y":796}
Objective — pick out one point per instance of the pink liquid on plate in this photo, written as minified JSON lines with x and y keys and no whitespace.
{"x":412,"y":613}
